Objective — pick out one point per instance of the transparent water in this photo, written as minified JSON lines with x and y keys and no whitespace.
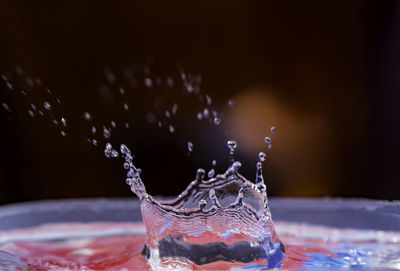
{"x":221,"y":221}
{"x":116,"y":241}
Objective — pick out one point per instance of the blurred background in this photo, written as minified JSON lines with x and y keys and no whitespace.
{"x":324,"y":73}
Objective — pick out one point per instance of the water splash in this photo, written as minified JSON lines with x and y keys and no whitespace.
{"x":223,"y":218}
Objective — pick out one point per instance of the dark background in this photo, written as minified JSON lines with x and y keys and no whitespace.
{"x":325,"y":73}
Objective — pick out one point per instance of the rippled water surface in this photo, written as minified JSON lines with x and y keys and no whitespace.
{"x":118,"y":246}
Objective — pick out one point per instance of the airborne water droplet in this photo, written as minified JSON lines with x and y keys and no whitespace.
{"x":199,"y":116}
{"x":5,"y":106}
{"x":262,"y":156}
{"x":190,"y":146}
{"x":148,"y":83}
{"x":93,"y":130}
{"x":267,"y":140}
{"x":108,"y":149}
{"x":217,"y":120}
{"x":126,"y":107}
{"x":47,"y":105}
{"x":63,"y":133}
{"x":94,"y":142}
{"x":232,"y":145}
{"x":114,"y":153}
{"x":214,"y":163}
{"x":87,"y":116}
{"x":171,"y":129}
{"x":206,"y":113}
{"x":174,"y":109}
{"x":113,"y":124}
{"x":273,"y":129}
{"x":124,"y":149}
{"x":64,"y":122}
{"x":208,"y":99}
{"x":106,"y":132}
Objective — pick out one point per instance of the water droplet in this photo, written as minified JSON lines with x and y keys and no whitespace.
{"x":94,"y":142}
{"x":190,"y":146}
{"x":206,"y":113}
{"x":33,"y":106}
{"x":174,"y":109}
{"x":108,"y":149}
{"x":269,"y":146}
{"x":113,"y":124}
{"x":31,"y":113}
{"x":63,"y":133}
{"x":8,"y":84}
{"x":171,"y":129}
{"x":262,"y":156}
{"x":147,"y":82}
{"x":159,"y":124}
{"x":214,"y":163}
{"x":273,"y":129}
{"x":93,"y":130}
{"x":124,"y":149}
{"x":231,"y":103}
{"x":49,"y":91}
{"x":23,"y":92}
{"x":126,"y":125}
{"x":232,"y":145}
{"x":126,"y":107}
{"x":106,"y":132}
{"x":217,"y":120}
{"x":167,"y":114}
{"x":58,"y":100}
{"x":55,"y":122}
{"x":87,"y":116}
{"x":121,"y":90}
{"x":4,"y":78}
{"x":211,"y":173}
{"x":114,"y":154}
{"x":208,"y":99}
{"x":5,"y":106}
{"x":267,"y":140}
{"x":40,"y":112}
{"x":64,"y":122}
{"x":199,"y":116}
{"x":126,"y":165}
{"x":47,"y":105}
